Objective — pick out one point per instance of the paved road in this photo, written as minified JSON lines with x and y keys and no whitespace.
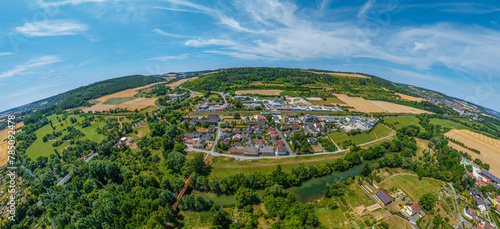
{"x":290,"y":151}
{"x":217,"y":135}
{"x":242,"y":157}
{"x":460,"y":217}
{"x":223,"y":97}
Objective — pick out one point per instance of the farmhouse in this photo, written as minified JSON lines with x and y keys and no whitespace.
{"x":237,"y":137}
{"x":411,"y":208}
{"x":384,"y":197}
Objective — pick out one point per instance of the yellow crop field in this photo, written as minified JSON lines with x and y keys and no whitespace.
{"x":259,"y":92}
{"x":489,"y":147}
{"x":371,"y":106}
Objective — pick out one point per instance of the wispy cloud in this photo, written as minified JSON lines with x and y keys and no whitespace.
{"x":66,"y":2}
{"x":365,"y":8}
{"x":52,"y":28}
{"x":208,"y":42}
{"x":240,"y":55}
{"x":5,"y":53}
{"x":20,"y":69}
{"x":167,"y":58}
{"x":161,"y":32}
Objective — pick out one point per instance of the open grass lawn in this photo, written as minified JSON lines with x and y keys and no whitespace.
{"x":378,"y":131}
{"x":196,"y":219}
{"x":398,"y":223}
{"x":448,"y":123}
{"x":224,"y":166}
{"x":333,"y":218}
{"x":40,"y":148}
{"x":289,"y":93}
{"x":414,"y":187}
{"x":402,"y":121}
{"x":116,"y":101}
{"x":356,"y":196}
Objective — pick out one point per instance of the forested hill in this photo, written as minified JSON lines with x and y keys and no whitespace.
{"x":364,"y":85}
{"x":79,"y":97}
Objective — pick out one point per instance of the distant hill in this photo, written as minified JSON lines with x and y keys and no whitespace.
{"x":79,"y":97}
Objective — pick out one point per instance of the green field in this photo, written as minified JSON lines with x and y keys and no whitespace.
{"x":402,"y":121}
{"x":289,"y":93}
{"x":116,"y":101}
{"x":414,"y":187}
{"x":332,"y":218}
{"x":40,"y":148}
{"x":448,"y":123}
{"x":378,"y":131}
{"x":357,"y":197}
{"x":224,"y":166}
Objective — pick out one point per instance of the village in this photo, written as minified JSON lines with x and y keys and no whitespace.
{"x":266,"y":134}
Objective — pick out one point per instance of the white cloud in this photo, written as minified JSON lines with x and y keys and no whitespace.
{"x":52,"y":28}
{"x":365,"y":8}
{"x":202,"y":43}
{"x":166,"y":58}
{"x":161,"y":32}
{"x":67,"y":2}
{"x":20,"y":69}
{"x":5,"y":53}
{"x":246,"y":56}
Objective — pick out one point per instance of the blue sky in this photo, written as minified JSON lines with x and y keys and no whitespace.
{"x":51,"y":46}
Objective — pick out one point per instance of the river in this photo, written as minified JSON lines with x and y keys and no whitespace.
{"x":309,"y":191}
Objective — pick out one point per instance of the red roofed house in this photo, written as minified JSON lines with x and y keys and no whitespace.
{"x":411,"y":208}
{"x":384,"y":197}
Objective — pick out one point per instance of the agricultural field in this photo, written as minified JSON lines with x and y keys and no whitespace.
{"x":411,"y":185}
{"x":409,"y":98}
{"x":224,"y":166}
{"x":40,"y":148}
{"x":402,"y":121}
{"x":258,"y":92}
{"x":448,"y":123}
{"x":371,"y":106}
{"x":121,"y":100}
{"x":289,"y":93}
{"x":4,"y":152}
{"x":396,"y":222}
{"x":489,"y":147}
{"x":177,"y":83}
{"x":338,"y":74}
{"x":379,"y":131}
{"x":116,"y":101}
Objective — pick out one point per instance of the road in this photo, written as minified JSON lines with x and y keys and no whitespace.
{"x":290,"y":151}
{"x":223,"y":97}
{"x":242,"y":157}
{"x":460,"y":218}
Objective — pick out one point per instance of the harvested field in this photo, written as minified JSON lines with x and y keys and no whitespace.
{"x":122,"y":99}
{"x":396,"y":108}
{"x":3,"y":144}
{"x":259,"y":92}
{"x":489,"y":147}
{"x":177,"y":83}
{"x":409,"y":98}
{"x":359,"y":103}
{"x":338,"y":74}
{"x":371,"y":106}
